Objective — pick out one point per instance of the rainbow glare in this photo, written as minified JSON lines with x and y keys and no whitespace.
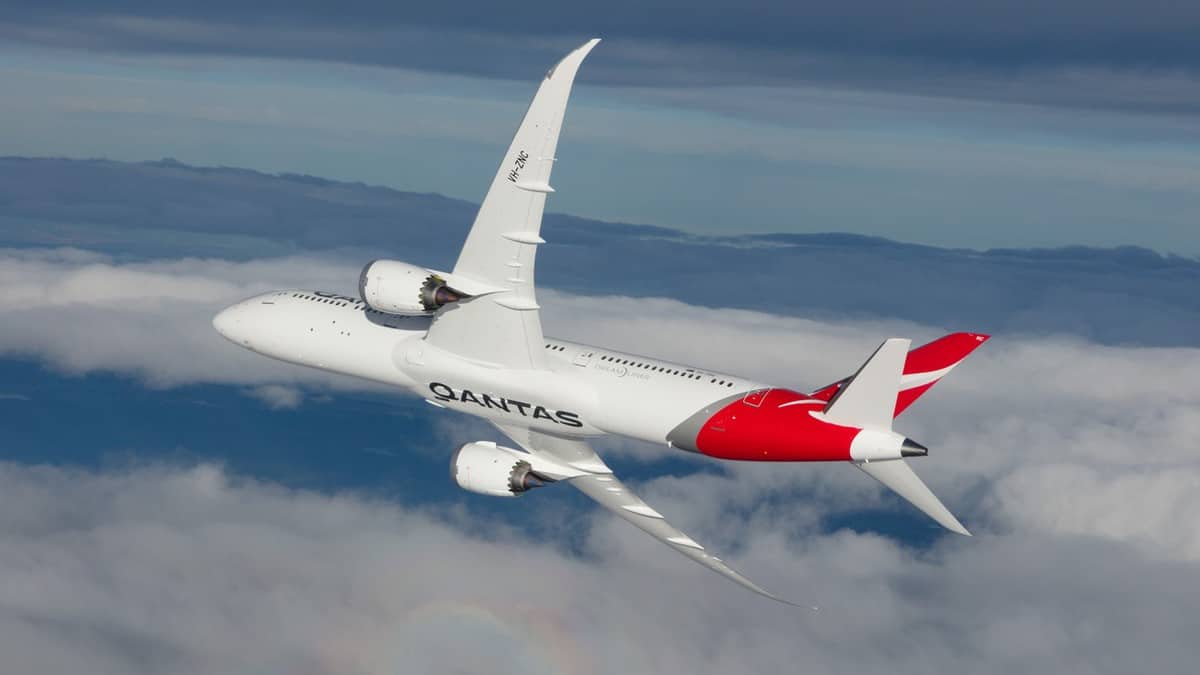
{"x":451,"y":637}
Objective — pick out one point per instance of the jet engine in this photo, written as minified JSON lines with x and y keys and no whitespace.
{"x":488,"y":469}
{"x":397,"y":287}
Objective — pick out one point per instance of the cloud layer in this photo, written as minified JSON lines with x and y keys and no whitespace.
{"x":1074,"y":464}
{"x":81,"y":312}
{"x":188,"y":570}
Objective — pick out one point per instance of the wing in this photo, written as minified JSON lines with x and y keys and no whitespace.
{"x":503,"y":327}
{"x":598,"y":482}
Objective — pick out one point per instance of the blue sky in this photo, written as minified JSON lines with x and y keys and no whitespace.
{"x":939,"y":131}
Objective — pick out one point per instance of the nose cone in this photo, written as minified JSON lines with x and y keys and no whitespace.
{"x":227,"y":323}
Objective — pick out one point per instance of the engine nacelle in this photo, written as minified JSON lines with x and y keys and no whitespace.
{"x":397,"y":287}
{"x":489,"y":469}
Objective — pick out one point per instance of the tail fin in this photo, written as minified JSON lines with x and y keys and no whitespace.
{"x":923,"y":367}
{"x":881,"y":389}
{"x":929,"y":363}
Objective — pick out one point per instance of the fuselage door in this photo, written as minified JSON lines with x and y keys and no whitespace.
{"x":755,"y":398}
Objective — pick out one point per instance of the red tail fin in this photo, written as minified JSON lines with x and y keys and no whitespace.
{"x":923,"y":367}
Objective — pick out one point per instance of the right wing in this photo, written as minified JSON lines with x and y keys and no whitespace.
{"x":594,"y":479}
{"x":510,"y":218}
{"x":502,"y":328}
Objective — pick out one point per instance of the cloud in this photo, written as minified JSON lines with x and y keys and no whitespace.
{"x":1145,"y":505}
{"x":1073,"y":462}
{"x":1022,"y":418}
{"x":190,"y":570}
{"x":81,"y":312}
{"x":277,"y":396}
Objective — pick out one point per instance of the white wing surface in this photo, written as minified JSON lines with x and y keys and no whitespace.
{"x":503,"y":327}
{"x":899,"y":476}
{"x":868,"y":400}
{"x":598,"y":482}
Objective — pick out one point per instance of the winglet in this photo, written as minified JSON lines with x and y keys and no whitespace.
{"x":575,"y":57}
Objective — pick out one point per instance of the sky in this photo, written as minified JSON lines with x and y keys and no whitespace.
{"x":942,"y":123}
{"x":170,"y":503}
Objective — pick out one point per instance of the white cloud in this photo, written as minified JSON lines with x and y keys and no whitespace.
{"x":1144,"y":505}
{"x":187,"y":570}
{"x":277,"y":396}
{"x":82,"y":312}
{"x":1023,"y":404}
{"x":1075,"y":463}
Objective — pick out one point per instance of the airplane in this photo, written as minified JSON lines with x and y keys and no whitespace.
{"x":471,"y":340}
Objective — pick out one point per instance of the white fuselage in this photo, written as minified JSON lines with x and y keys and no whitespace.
{"x":585,"y":390}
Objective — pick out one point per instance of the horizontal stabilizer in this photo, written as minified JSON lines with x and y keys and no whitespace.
{"x":868,"y":400}
{"x":899,"y":476}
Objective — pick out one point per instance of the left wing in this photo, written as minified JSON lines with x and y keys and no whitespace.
{"x":502,"y":328}
{"x":597,"y":481}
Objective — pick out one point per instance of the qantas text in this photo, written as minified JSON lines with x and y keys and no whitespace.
{"x":444,"y":392}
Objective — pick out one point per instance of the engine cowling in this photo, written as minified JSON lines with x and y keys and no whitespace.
{"x":488,"y":469}
{"x":397,"y":287}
